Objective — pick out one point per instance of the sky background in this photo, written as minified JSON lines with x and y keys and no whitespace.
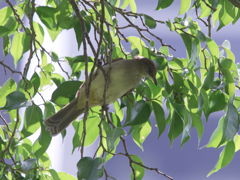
{"x":188,"y":163}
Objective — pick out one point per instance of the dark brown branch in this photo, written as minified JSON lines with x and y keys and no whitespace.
{"x":195,"y":4}
{"x":209,"y":26}
{"x":209,"y":6}
{"x":87,"y":85}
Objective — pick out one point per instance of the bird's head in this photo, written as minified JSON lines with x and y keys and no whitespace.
{"x":149,"y":68}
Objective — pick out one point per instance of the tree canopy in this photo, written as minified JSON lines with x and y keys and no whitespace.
{"x":204,"y":81}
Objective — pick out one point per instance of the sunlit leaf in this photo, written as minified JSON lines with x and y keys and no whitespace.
{"x":15,"y":100}
{"x":141,"y":132}
{"x":185,"y":4}
{"x":8,"y":87}
{"x":139,"y":170}
{"x":32,"y":118}
{"x":225,"y":157}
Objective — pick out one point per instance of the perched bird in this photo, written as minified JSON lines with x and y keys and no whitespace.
{"x":124,"y":76}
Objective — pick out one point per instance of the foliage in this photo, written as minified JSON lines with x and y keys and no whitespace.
{"x":203,"y":82}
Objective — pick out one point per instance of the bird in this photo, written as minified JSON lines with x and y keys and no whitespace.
{"x":124,"y":76}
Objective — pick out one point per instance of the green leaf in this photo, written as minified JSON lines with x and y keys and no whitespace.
{"x":150,"y":22}
{"x":32,"y":118}
{"x":54,"y":57}
{"x":226,"y":44}
{"x":132,"y":6}
{"x":113,"y":136}
{"x":140,"y":113}
{"x":27,"y":145}
{"x":164,"y":50}
{"x":201,"y":36}
{"x":45,"y":160}
{"x":46,"y":15}
{"x":163,"y":4}
{"x":226,"y":14}
{"x":161,"y":62}
{"x":205,"y":10}
{"x":236,"y":18}
{"x":55,"y":174}
{"x":92,"y":132}
{"x":118,"y":110}
{"x":188,"y":43}
{"x":170,"y":25}
{"x":35,"y":81}
{"x":28,"y":164}
{"x":185,"y":4}
{"x":113,"y":2}
{"x":139,"y":170}
{"x":63,"y":14}
{"x":216,"y":135}
{"x":187,"y":125}
{"x":5,"y":13}
{"x":90,"y":169}
{"x":8,"y":87}
{"x":78,"y":29}
{"x":26,"y":88}
{"x":209,"y":79}
{"x":230,"y":66}
{"x":129,"y":102}
{"x":178,"y":82}
{"x":6,"y":44}
{"x":42,"y":143}
{"x":141,"y":132}
{"x":225,"y":157}
{"x":4,"y":31}
{"x":136,"y":43}
{"x":16,"y":100}
{"x":115,"y":119}
{"x":61,"y":95}
{"x":134,"y":52}
{"x":17,"y":47}
{"x":197,"y":122}
{"x":217,"y":102}
{"x":11,"y":24}
{"x":63,"y":175}
{"x":230,"y":90}
{"x":39,"y":33}
{"x":237,"y":142}
{"x":230,"y":124}
{"x":176,"y":127}
{"x":214,"y":50}
{"x":159,"y":117}
{"x":194,"y":53}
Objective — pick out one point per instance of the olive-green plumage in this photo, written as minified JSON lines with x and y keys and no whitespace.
{"x":124,"y":76}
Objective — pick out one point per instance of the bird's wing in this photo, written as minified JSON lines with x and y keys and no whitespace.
{"x":95,"y":74}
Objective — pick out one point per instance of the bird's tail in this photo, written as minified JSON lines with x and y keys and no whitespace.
{"x":60,"y":121}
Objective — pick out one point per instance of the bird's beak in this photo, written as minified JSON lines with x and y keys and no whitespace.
{"x":154,"y":80}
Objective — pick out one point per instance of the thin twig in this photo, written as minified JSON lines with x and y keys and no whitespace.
{"x":5,"y":122}
{"x":11,"y":139}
